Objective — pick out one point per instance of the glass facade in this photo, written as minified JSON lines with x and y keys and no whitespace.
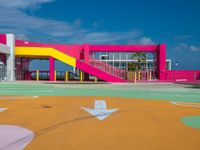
{"x":126,"y":62}
{"x":121,"y":59}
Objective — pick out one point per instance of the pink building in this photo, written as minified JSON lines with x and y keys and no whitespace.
{"x":109,"y":63}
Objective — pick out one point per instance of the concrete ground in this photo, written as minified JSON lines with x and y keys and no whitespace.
{"x":147,"y":117}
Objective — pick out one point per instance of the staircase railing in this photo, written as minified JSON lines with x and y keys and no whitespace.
{"x":108,"y":68}
{"x":123,"y":74}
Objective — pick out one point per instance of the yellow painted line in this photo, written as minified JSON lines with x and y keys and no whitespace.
{"x":45,"y":51}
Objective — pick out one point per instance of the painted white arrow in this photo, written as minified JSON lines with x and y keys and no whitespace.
{"x":2,"y":109}
{"x":100,"y":110}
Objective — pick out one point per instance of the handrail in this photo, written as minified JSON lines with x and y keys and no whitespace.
{"x":123,"y":74}
{"x":108,"y":68}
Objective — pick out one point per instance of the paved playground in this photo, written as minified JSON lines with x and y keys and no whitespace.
{"x":99,"y":116}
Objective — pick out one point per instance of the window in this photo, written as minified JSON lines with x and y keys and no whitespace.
{"x":111,"y":56}
{"x":123,"y":56}
{"x":117,"y":56}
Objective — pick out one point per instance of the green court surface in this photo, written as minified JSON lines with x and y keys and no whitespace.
{"x":159,"y":91}
{"x":193,"y":121}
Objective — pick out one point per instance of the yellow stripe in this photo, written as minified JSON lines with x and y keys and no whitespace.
{"x":43,"y":51}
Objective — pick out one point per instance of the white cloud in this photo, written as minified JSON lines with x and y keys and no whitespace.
{"x":22,"y":3}
{"x":194,"y":48}
{"x":142,"y":40}
{"x":185,"y":37}
{"x":95,"y":24}
{"x":14,"y":20}
{"x":146,"y":41}
{"x":105,"y":37}
{"x":77,"y":22}
{"x":18,"y":22}
{"x":183,"y":46}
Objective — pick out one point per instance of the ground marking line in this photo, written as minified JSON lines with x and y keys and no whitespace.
{"x":186,"y":104}
{"x":189,"y":103}
{"x":173,"y":95}
{"x":13,"y":98}
{"x":24,"y":88}
{"x":27,"y":91}
{"x":3,"y":109}
{"x":35,"y":96}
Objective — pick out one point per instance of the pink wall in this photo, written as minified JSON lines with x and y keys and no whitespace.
{"x":178,"y":75}
{"x":3,"y":41}
{"x":3,"y":38}
{"x":86,"y":53}
{"x":124,"y":48}
{"x":82,"y":51}
{"x":161,"y":61}
{"x":73,"y":50}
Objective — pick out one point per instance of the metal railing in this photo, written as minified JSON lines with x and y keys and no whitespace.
{"x":123,"y":74}
{"x":108,"y":68}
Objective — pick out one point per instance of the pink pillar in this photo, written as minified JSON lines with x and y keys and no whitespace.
{"x":161,"y":62}
{"x":3,"y":38}
{"x":51,"y":68}
{"x":86,"y":53}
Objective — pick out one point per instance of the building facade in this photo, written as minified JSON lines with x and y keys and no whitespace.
{"x":110,"y":63}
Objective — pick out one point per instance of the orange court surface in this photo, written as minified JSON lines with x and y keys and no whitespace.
{"x":60,"y":122}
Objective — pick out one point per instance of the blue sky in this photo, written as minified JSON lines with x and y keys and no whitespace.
{"x":173,"y":22}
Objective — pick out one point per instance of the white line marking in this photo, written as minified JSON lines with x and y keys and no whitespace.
{"x":28,"y":91}
{"x":3,"y":109}
{"x":35,"y":96}
{"x":24,"y":89}
{"x":14,"y":98}
{"x":186,"y":104}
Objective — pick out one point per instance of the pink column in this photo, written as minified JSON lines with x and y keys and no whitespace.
{"x":161,"y":62}
{"x":51,"y":68}
{"x":3,"y":38}
{"x":86,"y":53}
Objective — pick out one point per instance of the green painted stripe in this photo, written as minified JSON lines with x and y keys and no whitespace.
{"x":159,"y":92}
